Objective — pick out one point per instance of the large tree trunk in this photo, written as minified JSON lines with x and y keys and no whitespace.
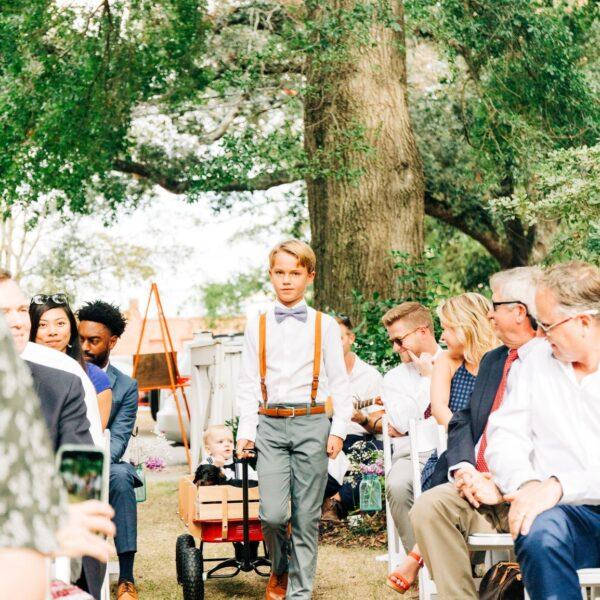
{"x":358,"y":219}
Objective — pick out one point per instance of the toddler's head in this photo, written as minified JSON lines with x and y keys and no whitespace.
{"x":218,"y":441}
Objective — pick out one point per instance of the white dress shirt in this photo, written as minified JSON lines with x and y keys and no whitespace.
{"x":290,"y":347}
{"x":406,"y":396}
{"x":548,"y":425}
{"x":522,"y":354}
{"x":365,"y":383}
{"x":48,"y":357}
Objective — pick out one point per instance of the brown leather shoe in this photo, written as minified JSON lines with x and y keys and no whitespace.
{"x":277,"y":587}
{"x":330,"y":511}
{"x":126,"y":591}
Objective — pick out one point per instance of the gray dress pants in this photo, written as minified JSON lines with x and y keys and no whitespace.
{"x":292,"y":473}
{"x":400,"y":497}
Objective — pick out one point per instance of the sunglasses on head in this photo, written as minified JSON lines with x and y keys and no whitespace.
{"x":59,"y":298}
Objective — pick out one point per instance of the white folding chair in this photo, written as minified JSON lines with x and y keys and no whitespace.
{"x":396,"y":552}
{"x":112,"y":567}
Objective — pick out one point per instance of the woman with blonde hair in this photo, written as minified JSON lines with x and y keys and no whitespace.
{"x":468,"y":335}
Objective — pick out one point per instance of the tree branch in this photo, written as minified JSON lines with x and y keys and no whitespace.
{"x":180,"y":186}
{"x":221,"y":129}
{"x":471,"y":224}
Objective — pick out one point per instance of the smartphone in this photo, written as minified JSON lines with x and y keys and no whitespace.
{"x":84,"y":471}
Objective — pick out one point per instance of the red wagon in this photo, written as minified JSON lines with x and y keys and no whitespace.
{"x":217,"y":514}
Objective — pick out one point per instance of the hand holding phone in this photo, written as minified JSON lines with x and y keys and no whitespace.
{"x":78,"y":536}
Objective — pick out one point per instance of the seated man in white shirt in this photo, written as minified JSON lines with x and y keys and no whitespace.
{"x":405,"y":396}
{"x":542,"y":452}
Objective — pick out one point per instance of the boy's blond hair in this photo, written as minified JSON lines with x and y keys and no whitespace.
{"x":213,"y":429}
{"x":301,"y":250}
{"x":413,"y":313}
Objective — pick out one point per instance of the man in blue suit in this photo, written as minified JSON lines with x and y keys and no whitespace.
{"x":100,"y":326}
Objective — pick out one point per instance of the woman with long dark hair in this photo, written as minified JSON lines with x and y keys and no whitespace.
{"x":53,"y":324}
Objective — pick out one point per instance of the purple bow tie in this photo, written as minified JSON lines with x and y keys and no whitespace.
{"x":298,"y":312}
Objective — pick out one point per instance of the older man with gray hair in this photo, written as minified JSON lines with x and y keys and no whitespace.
{"x":446,"y":515}
{"x":544,"y":443}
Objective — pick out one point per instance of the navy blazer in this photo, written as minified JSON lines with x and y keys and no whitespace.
{"x":467,"y":425}
{"x":62,"y":401}
{"x":123,"y":411}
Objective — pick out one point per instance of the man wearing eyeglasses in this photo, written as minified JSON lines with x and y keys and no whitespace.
{"x":405,"y":395}
{"x":544,"y":442}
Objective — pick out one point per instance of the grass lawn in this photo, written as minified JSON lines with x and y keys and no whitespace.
{"x":348,"y":574}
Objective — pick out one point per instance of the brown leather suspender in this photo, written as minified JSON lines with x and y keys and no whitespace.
{"x":316,"y":360}
{"x":262,"y":358}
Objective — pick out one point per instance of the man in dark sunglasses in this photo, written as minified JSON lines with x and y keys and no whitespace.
{"x":405,"y":395}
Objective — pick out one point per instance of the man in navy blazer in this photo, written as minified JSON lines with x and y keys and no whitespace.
{"x":100,"y":326}
{"x":439,"y":514}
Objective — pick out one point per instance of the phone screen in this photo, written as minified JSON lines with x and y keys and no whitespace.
{"x":81,"y":471}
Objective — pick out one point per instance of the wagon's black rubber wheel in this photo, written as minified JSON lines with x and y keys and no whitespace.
{"x":184,"y":542}
{"x":192,"y":581}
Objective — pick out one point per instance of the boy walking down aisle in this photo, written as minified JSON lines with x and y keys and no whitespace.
{"x":292,"y":359}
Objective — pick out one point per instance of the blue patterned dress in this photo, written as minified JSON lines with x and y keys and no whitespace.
{"x":461,"y":388}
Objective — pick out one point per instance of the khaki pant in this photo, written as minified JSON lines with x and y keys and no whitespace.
{"x":442,"y":522}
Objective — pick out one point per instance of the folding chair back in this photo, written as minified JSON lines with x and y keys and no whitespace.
{"x":396,"y":552}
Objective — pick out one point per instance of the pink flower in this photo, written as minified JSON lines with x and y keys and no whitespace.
{"x":155,"y":463}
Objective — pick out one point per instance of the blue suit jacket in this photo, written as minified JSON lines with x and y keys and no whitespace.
{"x":123,"y":411}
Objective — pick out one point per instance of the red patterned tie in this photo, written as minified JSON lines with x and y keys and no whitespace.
{"x":427,"y":412}
{"x":510,"y":359}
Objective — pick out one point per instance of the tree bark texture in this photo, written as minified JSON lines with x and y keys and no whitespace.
{"x":357,"y":220}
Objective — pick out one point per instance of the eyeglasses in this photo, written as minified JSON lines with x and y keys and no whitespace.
{"x":400,"y":340}
{"x":497,"y":304}
{"x":532,"y":319}
{"x":548,"y":328}
{"x":59,"y":298}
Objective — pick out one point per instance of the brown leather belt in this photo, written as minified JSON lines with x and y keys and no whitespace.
{"x":291,"y":412}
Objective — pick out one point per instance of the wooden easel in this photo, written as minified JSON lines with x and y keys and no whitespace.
{"x":174,"y":384}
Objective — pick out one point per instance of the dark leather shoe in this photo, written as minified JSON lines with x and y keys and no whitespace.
{"x":331,"y":511}
{"x":277,"y":587}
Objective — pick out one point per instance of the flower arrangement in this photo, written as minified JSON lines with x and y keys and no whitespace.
{"x":151,"y":452}
{"x":365,"y":459}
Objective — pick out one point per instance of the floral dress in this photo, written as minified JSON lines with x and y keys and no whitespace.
{"x":461,"y":389}
{"x":32,"y":499}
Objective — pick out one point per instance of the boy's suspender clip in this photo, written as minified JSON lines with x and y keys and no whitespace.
{"x":314,"y":409}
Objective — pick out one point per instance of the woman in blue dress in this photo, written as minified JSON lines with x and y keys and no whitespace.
{"x":53,"y":324}
{"x":468,"y":335}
